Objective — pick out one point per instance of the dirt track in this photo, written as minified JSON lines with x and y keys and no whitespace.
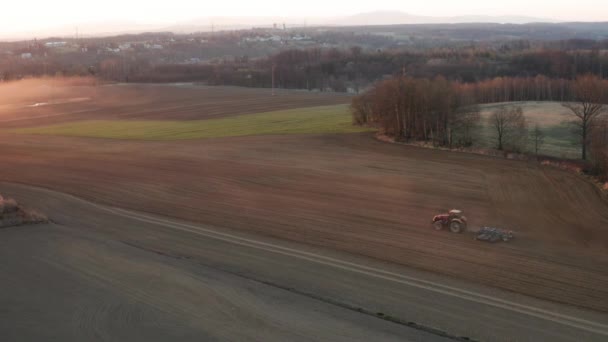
{"x":74,"y":282}
{"x":111,"y":274}
{"x":350,"y":193}
{"x":152,"y":102}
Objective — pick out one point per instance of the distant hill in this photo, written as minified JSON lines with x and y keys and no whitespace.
{"x":205,"y":24}
{"x":456,"y":27}
{"x":362,"y":19}
{"x":89,"y":29}
{"x":488,"y":31}
{"x":397,"y":18}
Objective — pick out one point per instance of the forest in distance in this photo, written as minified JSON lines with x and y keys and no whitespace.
{"x":355,"y":68}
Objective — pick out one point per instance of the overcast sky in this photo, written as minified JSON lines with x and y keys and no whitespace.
{"x":23,"y":15}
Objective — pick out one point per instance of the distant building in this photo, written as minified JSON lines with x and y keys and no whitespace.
{"x":153,"y":46}
{"x":26,"y":55}
{"x":272,"y":38}
{"x":55,"y":44}
{"x":300,"y":38}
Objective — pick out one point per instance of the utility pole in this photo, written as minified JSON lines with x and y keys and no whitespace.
{"x":124,"y":67}
{"x":274,"y":66}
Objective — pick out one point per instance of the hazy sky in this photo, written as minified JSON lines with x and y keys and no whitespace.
{"x":23,"y":15}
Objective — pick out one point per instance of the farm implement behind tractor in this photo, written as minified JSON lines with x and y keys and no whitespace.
{"x":493,"y":234}
{"x":456,"y":222}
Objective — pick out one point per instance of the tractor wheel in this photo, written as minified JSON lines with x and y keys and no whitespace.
{"x":438,"y":225}
{"x":456,"y":227}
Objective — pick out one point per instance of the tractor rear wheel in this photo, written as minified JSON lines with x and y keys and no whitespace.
{"x":456,"y":227}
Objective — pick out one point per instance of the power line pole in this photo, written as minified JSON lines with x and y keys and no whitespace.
{"x":274,"y":66}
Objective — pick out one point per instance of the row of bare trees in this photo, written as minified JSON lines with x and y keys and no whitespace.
{"x":446,"y":112}
{"x":510,"y":127}
{"x":511,"y":131}
{"x":510,"y":74}
{"x":418,"y":109}
{"x":539,"y":88}
{"x":585,"y":97}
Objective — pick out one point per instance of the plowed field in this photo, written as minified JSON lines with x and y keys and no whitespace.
{"x":352,"y":193}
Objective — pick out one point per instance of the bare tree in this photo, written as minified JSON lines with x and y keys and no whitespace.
{"x":464,"y":125}
{"x":538,"y":138}
{"x":599,"y":148}
{"x":587,"y":106}
{"x":362,"y":109}
{"x":510,"y":127}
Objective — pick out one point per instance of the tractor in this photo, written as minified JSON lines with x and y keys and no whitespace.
{"x":454,"y":220}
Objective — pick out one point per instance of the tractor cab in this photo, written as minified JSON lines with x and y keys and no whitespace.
{"x":455,"y":213}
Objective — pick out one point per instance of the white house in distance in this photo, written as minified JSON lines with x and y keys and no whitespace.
{"x":55,"y":44}
{"x":153,"y":46}
{"x":271,"y":38}
{"x":26,"y":55}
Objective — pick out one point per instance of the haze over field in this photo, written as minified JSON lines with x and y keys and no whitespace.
{"x":69,"y":17}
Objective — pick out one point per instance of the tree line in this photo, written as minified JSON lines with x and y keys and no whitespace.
{"x":419,"y":109}
{"x":446,"y":112}
{"x":224,"y":60}
{"x":355,"y":68}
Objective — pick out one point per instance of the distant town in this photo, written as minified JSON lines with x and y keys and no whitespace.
{"x":343,"y":59}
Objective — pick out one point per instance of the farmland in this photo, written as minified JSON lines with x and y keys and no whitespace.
{"x":293,"y":168}
{"x":554,"y":120}
{"x":313,"y":120}
{"x":186,"y":111}
{"x":304,"y":172}
{"x":292,"y":186}
{"x":39,"y":103}
{"x":356,"y":194}
{"x":560,"y":140}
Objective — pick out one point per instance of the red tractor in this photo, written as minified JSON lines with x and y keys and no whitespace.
{"x":454,"y":220}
